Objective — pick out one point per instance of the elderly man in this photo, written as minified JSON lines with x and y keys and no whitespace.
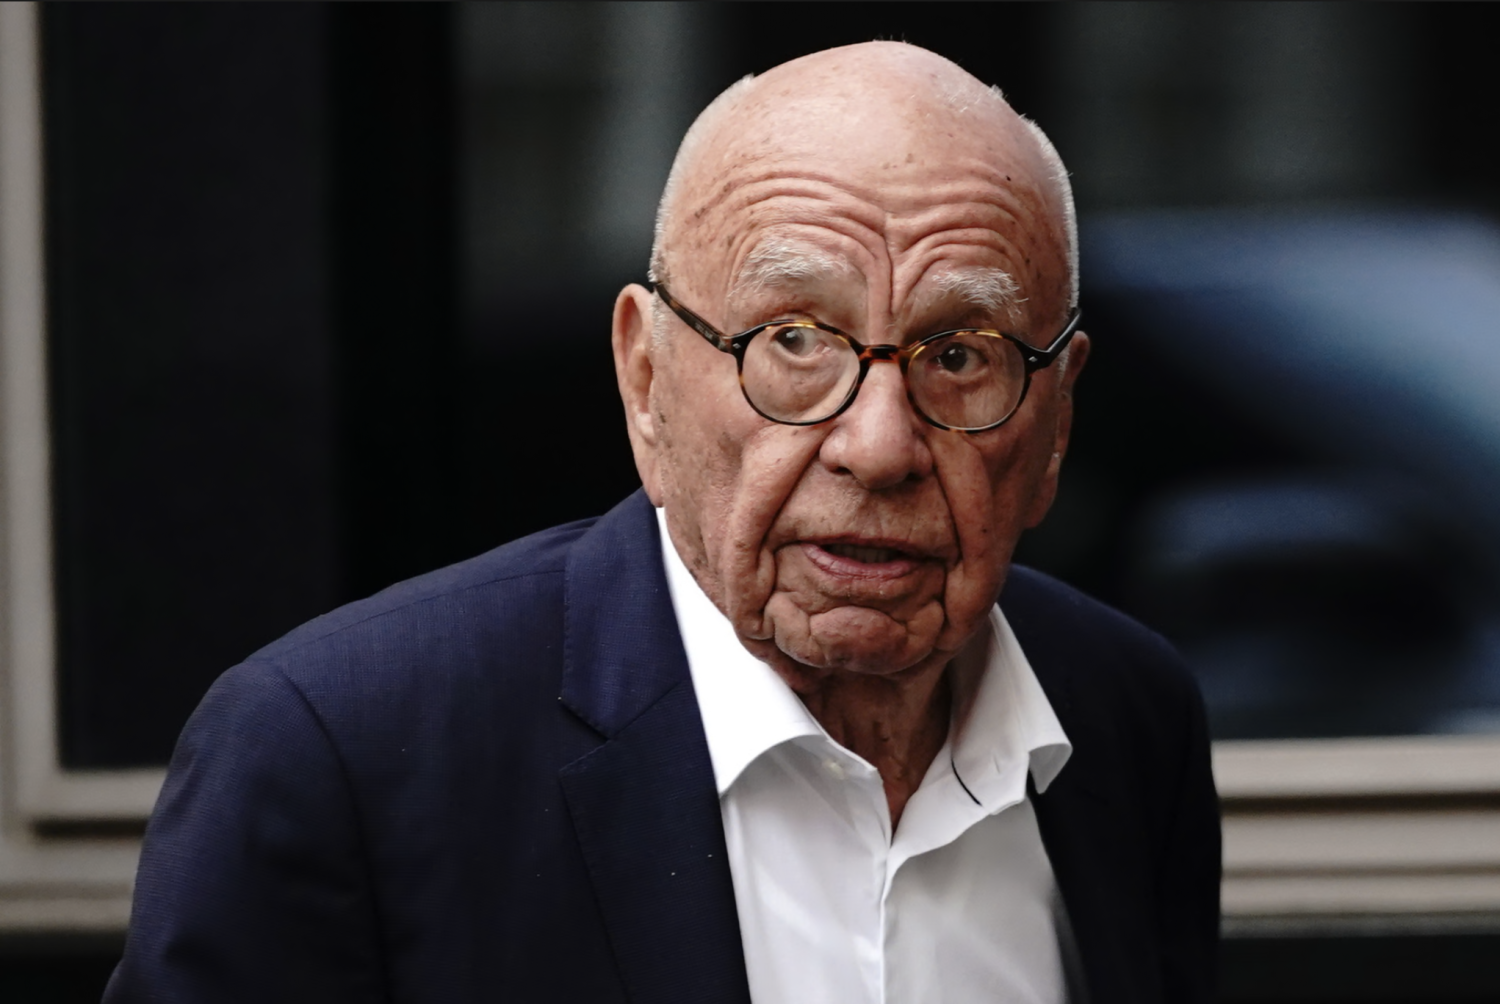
{"x":773,"y":740}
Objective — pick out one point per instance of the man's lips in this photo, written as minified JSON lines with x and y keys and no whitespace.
{"x":869,"y":554}
{"x":862,"y":559}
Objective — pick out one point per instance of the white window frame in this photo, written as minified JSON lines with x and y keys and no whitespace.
{"x":1327,"y":832}
{"x":1339,"y":832}
{"x":47,"y":881}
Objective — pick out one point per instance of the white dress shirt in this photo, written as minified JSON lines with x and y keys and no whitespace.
{"x":956,"y":906}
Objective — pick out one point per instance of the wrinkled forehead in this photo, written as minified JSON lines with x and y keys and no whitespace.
{"x":789,"y":261}
{"x":809,"y":183}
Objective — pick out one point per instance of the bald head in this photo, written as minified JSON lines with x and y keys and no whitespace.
{"x":865,"y":102}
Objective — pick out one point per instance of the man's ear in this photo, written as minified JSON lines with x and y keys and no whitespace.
{"x":631,"y":338}
{"x":1077,"y":357}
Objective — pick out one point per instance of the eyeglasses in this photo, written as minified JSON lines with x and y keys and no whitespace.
{"x":803,"y":372}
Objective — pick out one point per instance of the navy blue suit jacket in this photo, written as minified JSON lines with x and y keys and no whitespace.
{"x":491,"y":784}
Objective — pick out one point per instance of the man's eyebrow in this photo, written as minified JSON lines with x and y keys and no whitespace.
{"x":988,"y":290}
{"x":780,"y":263}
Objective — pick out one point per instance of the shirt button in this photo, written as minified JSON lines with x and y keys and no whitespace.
{"x":835,"y":769}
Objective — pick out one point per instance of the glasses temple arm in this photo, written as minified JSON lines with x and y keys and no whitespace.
{"x":1042,"y":358}
{"x":692,"y":320}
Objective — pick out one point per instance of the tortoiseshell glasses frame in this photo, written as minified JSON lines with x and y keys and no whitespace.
{"x":1031,"y":360}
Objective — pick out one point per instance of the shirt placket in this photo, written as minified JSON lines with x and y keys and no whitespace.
{"x":857,"y":784}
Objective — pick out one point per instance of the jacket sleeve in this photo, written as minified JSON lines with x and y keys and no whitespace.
{"x":253,"y":883}
{"x":1189,"y":870}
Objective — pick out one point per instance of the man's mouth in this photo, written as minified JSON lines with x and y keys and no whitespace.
{"x":870,"y":561}
{"x":868,"y":555}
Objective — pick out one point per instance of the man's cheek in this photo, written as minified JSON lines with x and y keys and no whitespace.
{"x":974,"y":505}
{"x":971,"y":590}
{"x":986,"y":520}
{"x":768,"y":469}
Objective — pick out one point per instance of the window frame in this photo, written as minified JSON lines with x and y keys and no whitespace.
{"x":60,"y":869}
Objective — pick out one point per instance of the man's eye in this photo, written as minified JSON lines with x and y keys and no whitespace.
{"x":794,"y":340}
{"x":957,"y":358}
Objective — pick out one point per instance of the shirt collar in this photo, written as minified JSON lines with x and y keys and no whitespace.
{"x":1001,"y":719}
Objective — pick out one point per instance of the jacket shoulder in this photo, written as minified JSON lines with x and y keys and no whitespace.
{"x":482,"y":637}
{"x":1093,"y":642}
{"x":504,"y":583}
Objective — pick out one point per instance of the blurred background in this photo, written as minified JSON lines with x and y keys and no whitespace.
{"x":313,"y":274}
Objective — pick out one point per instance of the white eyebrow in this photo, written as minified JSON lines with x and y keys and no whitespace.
{"x":778,"y":262}
{"x":990,"y":290}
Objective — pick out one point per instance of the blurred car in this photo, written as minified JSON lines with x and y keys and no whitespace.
{"x":1288,"y":461}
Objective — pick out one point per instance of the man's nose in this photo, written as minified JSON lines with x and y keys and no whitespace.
{"x":880,"y":440}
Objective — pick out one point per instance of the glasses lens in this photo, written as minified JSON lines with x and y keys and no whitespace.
{"x":798,"y":372}
{"x":968,"y":380}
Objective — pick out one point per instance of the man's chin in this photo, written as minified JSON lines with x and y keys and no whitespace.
{"x":858,"y":640}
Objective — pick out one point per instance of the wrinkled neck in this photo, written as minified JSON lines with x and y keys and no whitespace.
{"x":897,"y":724}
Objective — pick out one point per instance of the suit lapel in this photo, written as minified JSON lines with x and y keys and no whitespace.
{"x":1081,"y":834}
{"x":1086,"y":832}
{"x":644,"y":803}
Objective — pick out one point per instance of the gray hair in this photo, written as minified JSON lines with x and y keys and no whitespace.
{"x":1062,"y":190}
